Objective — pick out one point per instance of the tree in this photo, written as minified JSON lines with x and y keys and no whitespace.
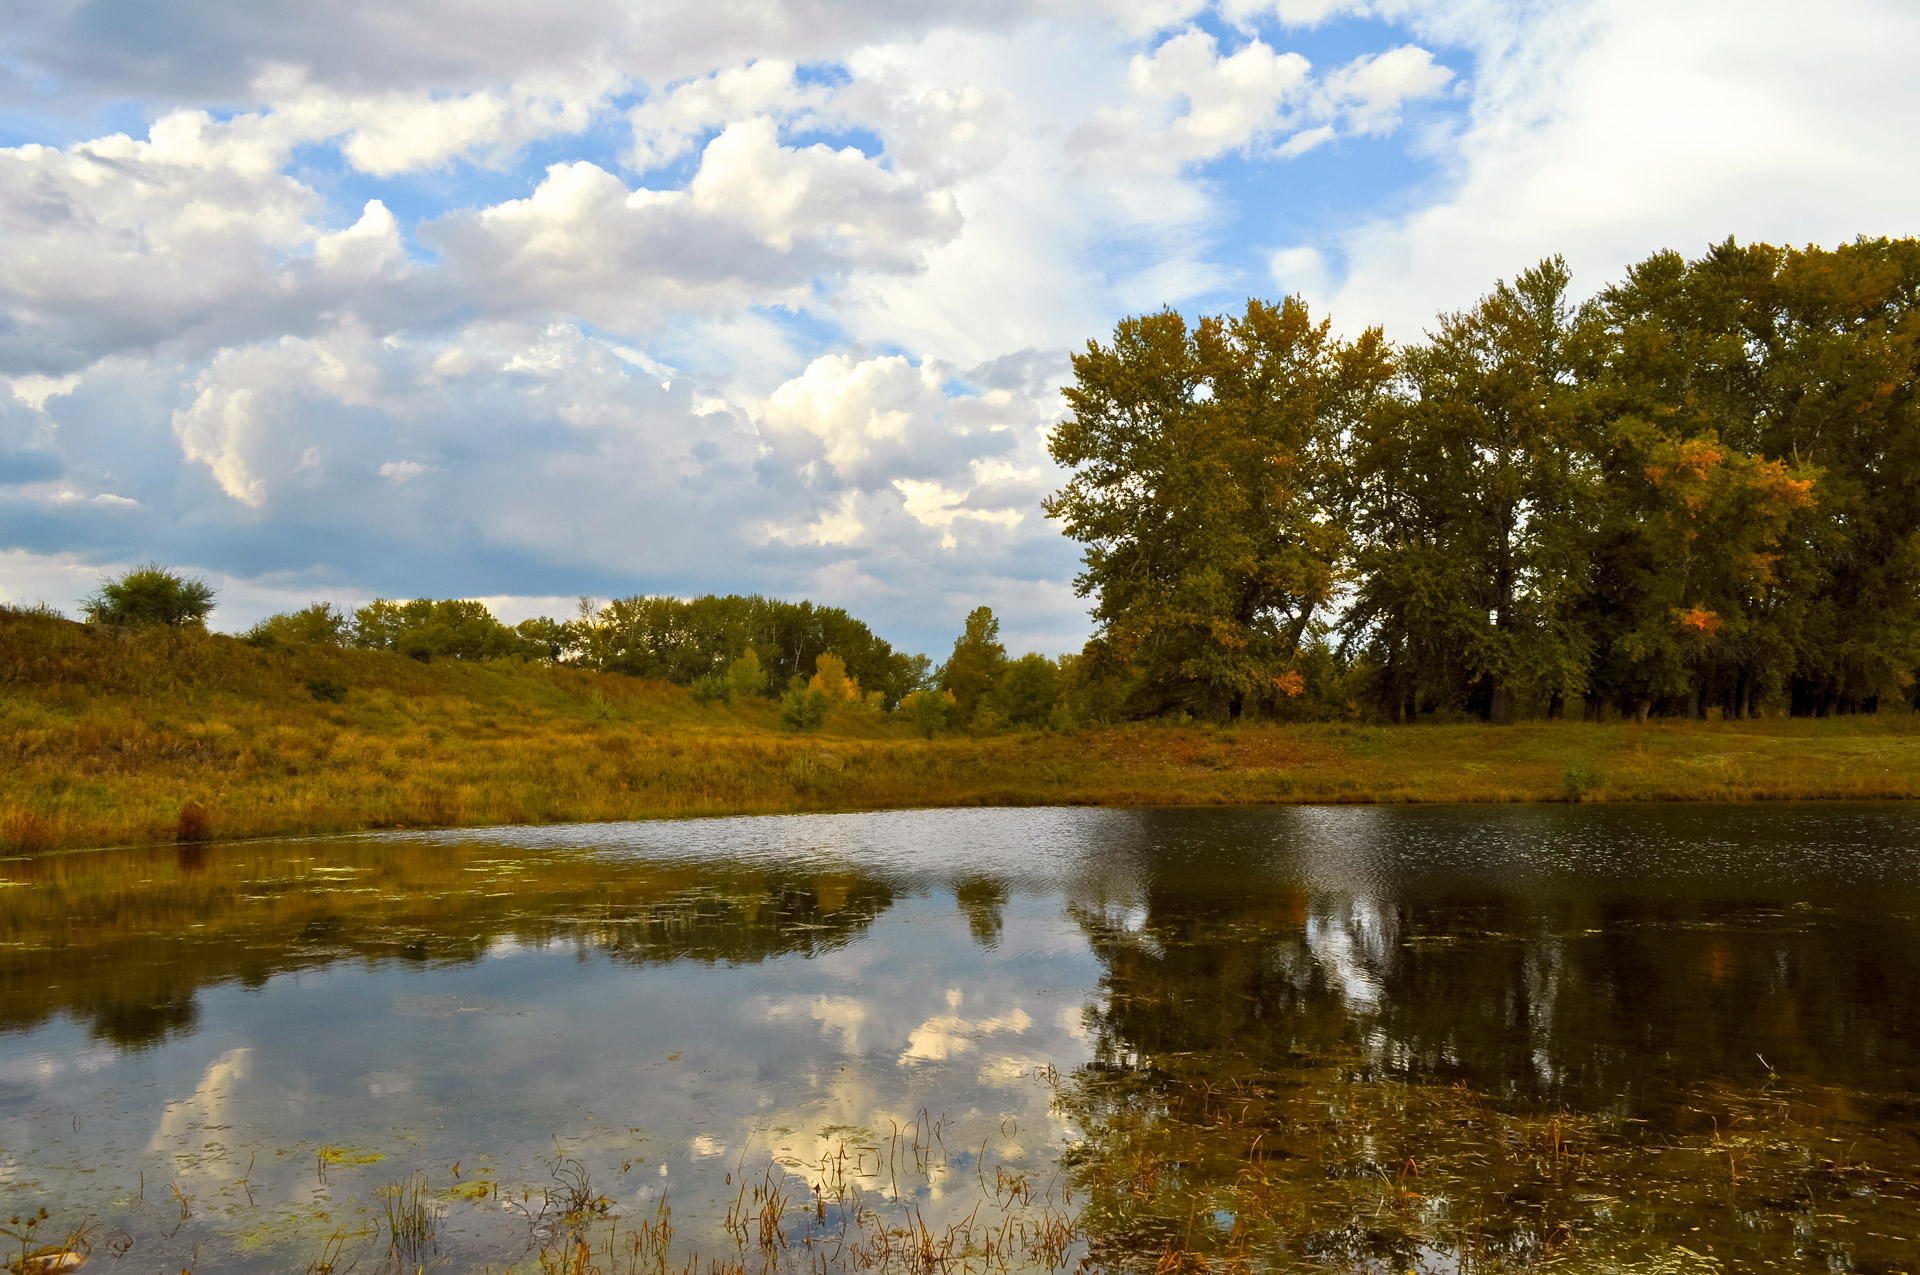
{"x":1475,"y":489}
{"x":454,"y":628}
{"x":746,"y":677}
{"x":1206,"y":478}
{"x":320,"y":624}
{"x":803,"y":708}
{"x":152,"y":594}
{"x":1030,"y":689}
{"x":978,"y":661}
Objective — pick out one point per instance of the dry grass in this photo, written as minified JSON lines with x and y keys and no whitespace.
{"x":110,"y":737}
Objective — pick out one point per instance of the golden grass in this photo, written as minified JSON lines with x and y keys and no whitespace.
{"x":110,"y":737}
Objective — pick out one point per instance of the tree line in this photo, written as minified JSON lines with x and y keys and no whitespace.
{"x":1698,"y":490}
{"x":816,"y":660}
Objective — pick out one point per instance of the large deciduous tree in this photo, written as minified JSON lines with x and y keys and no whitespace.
{"x":1475,"y":484}
{"x":1206,"y":480}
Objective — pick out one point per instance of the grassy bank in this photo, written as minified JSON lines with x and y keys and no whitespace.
{"x":114,"y":737}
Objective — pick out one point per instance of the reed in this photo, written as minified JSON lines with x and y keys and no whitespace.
{"x":116,"y":737}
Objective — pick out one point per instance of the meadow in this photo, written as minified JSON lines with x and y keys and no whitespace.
{"x":126,"y":736}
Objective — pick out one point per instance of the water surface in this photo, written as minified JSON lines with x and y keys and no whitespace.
{"x":1297,"y":1039}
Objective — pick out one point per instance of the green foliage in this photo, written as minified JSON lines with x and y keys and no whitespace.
{"x":803,"y":708}
{"x":1206,"y":486}
{"x":319,"y":623}
{"x":680,"y":640}
{"x":712,"y":688}
{"x":1702,"y":488}
{"x":423,"y":629}
{"x":151,"y":595}
{"x":746,"y":676}
{"x":326,"y":689}
{"x":1030,"y":690}
{"x":1475,"y":487}
{"x":972,"y":674}
{"x":930,"y":711}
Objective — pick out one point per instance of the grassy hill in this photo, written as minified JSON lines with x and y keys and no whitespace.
{"x":112,"y":736}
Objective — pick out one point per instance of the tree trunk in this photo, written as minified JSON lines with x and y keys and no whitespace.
{"x":1556,"y":707}
{"x":1594,"y":710}
{"x":1641,"y":707}
{"x":1500,"y":709}
{"x":1746,"y":699}
{"x":1693,"y":703}
{"x":1219,"y":704}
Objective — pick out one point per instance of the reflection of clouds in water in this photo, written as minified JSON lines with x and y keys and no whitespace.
{"x":186,"y":1122}
{"x":843,"y":1014}
{"x":46,"y":1067}
{"x":945,"y":1035}
{"x":1352,"y":945}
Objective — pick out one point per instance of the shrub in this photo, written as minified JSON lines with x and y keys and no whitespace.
{"x":930,"y":711}
{"x":152,"y":594}
{"x":746,"y":675}
{"x":712,"y":688}
{"x":326,"y":690}
{"x":802,"y":708}
{"x":318,"y":624}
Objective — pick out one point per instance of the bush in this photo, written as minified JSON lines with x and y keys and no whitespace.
{"x":712,"y":688}
{"x":326,"y":690}
{"x":930,"y":711}
{"x":746,"y":675}
{"x":319,"y":624}
{"x":802,"y":708}
{"x":152,"y":594}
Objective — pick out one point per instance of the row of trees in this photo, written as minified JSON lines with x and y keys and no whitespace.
{"x":1700,"y":488}
{"x":815,"y":659}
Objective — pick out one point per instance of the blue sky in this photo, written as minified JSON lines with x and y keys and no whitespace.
{"x":336,"y":299}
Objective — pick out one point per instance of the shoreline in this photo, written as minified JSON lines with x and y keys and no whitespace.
{"x":117,"y":739}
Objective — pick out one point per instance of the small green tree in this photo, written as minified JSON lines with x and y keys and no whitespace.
{"x":712,"y":688}
{"x":802,"y":708}
{"x":1031,"y":689}
{"x":977,"y":664}
{"x":930,"y":711}
{"x":319,"y":624}
{"x":152,"y":594}
{"x":746,"y":675}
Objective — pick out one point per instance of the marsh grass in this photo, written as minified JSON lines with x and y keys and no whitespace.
{"x":112,"y":736}
{"x":411,"y":1221}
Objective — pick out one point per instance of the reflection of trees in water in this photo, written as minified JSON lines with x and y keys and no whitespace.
{"x":984,"y":900}
{"x":1335,"y":1076}
{"x":123,"y":940}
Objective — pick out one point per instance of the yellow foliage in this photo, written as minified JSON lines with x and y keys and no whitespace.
{"x":830,"y":679}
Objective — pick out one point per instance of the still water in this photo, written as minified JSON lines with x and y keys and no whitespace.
{"x":1444,"y":1039}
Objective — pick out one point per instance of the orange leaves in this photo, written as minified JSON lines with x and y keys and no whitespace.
{"x":1698,"y":620}
{"x":1290,"y":683}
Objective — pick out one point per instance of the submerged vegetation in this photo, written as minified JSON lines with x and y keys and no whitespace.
{"x":113,"y":736}
{"x":1270,"y":1075}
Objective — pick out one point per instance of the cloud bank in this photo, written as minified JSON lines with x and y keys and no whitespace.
{"x":524,"y":302}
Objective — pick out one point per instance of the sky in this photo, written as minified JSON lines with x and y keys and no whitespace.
{"x":337,"y":299}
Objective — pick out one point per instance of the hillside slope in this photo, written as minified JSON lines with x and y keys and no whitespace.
{"x":115,"y":737}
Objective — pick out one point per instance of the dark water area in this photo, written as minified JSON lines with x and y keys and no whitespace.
{"x":1377,"y":1039}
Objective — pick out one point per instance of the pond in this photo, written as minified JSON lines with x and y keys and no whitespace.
{"x":1313,"y":1039}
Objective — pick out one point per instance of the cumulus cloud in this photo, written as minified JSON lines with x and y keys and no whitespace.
{"x":1250,"y":99}
{"x":758,"y":223}
{"x":668,"y":125}
{"x":1606,"y":132}
{"x":720,"y":295}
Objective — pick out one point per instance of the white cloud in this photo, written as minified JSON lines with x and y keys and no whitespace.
{"x":758,"y":223}
{"x":34,"y":390}
{"x":1606,"y":132}
{"x":400,"y":472}
{"x":668,"y":125}
{"x":1230,"y":102}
